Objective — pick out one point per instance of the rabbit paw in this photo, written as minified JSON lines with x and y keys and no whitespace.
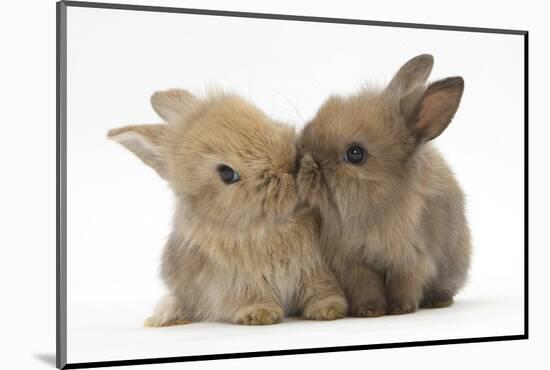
{"x":330,"y":308}
{"x":437,"y":301}
{"x":400,"y":308}
{"x":368,"y":310}
{"x":259,"y":315}
{"x":168,"y":312}
{"x":157,"y":322}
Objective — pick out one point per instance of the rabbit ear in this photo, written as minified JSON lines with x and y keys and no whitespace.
{"x":412,"y":74}
{"x":146,"y":142}
{"x":173,"y":105}
{"x":435,"y":108}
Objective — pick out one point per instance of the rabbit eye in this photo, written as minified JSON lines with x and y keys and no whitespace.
{"x":228,"y":175}
{"x":354,"y":154}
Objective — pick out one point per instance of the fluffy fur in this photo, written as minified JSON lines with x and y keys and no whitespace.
{"x":393,"y":226}
{"x":244,"y":252}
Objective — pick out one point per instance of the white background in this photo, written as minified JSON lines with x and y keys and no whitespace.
{"x":119,"y":211}
{"x":28,"y":201}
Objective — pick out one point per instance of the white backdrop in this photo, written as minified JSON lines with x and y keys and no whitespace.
{"x":28,"y":202}
{"x":116,"y":59}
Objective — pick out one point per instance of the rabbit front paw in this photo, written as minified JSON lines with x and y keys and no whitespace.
{"x":259,"y":315}
{"x":400,"y":308}
{"x":330,"y":308}
{"x":374,"y":309}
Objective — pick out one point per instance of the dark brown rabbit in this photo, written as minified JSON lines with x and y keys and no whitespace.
{"x":393,"y":223}
{"x":242,"y":249}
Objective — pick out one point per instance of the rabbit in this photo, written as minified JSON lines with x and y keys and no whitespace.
{"x":393,"y":225}
{"x":243,"y":249}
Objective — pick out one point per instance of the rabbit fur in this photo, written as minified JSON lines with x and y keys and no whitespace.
{"x":393,"y":227}
{"x":244,"y":252}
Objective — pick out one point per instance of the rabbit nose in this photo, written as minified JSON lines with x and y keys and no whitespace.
{"x":297,"y":164}
{"x":310,"y":162}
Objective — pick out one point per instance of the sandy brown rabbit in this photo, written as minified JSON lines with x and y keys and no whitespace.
{"x":393,"y":224}
{"x":242,"y":249}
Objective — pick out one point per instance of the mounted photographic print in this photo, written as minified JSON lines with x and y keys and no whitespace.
{"x":241,"y":184}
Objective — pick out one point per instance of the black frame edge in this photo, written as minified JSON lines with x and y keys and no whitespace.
{"x":288,"y":17}
{"x":61,"y":185}
{"x":222,"y":356}
{"x":526,"y":183}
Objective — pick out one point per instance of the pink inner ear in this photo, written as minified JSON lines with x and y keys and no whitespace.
{"x":435,"y":108}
